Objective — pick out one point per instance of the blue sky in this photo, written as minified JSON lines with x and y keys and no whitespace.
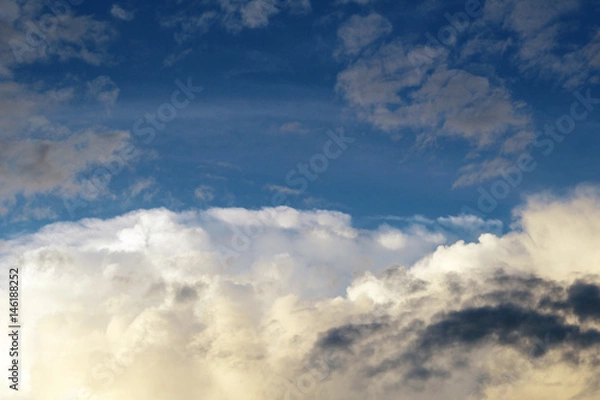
{"x":438,"y":110}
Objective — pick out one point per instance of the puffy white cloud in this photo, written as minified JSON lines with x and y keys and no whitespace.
{"x":148,"y":308}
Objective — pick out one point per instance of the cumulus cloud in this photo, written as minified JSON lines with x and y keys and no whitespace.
{"x":153,"y":304}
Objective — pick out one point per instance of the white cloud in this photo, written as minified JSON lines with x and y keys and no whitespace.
{"x":393,"y":240}
{"x":118,"y":12}
{"x":422,"y":91}
{"x":72,"y":37}
{"x":283,"y":189}
{"x":145,"y":186}
{"x":446,"y":102}
{"x":174,"y":58}
{"x":233,"y":15}
{"x":293,"y":127}
{"x":204,"y":193}
{"x":144,"y":295}
{"x":25,"y":104}
{"x":541,"y":46}
{"x":358,"y":32}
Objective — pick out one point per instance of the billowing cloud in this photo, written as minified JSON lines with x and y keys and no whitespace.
{"x":280,"y":303}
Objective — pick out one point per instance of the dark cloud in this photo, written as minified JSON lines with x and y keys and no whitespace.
{"x":585,"y":300}
{"x":345,"y":336}
{"x":186,"y":293}
{"x":526,"y":313}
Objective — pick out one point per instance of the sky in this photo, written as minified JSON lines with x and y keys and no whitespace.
{"x":302,"y":199}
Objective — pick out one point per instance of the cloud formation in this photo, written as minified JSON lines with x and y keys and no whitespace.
{"x":541,"y":44}
{"x":315,"y":308}
{"x":42,"y":154}
{"x":120,"y":13}
{"x":233,"y":15}
{"x":358,"y":32}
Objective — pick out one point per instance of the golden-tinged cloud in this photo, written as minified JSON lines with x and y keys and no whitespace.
{"x":286,"y":304}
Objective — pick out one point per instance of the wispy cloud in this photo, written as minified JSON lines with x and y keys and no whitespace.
{"x":204,"y":193}
{"x":119,"y":13}
{"x":358,"y":32}
{"x":233,"y":16}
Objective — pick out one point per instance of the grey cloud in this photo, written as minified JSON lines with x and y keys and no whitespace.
{"x":358,"y":31}
{"x":539,"y":47}
{"x":120,"y":13}
{"x":46,"y":166}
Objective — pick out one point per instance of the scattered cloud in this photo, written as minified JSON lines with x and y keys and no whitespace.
{"x":293,"y":127}
{"x":35,"y":167}
{"x":541,"y":46}
{"x":174,"y":58}
{"x":283,"y":189}
{"x":204,"y":193}
{"x":145,"y":186}
{"x":65,"y":36}
{"x":358,"y":32}
{"x":104,"y":90}
{"x":119,"y":13}
{"x":234,"y":16}
{"x":386,"y":90}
